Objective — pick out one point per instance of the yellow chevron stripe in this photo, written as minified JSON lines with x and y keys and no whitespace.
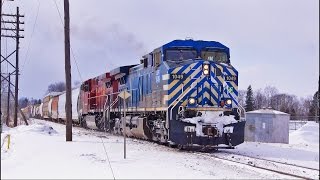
{"x":173,"y":83}
{"x":199,"y":90}
{"x":232,"y":72}
{"x":221,"y":79}
{"x":175,"y":102}
{"x":176,"y":69}
{"x":185,"y":102}
{"x":214,"y":92}
{"x":206,"y":94}
{"x":194,"y":94}
{"x":234,"y":85}
{"x":220,"y":67}
{"x":184,"y":83}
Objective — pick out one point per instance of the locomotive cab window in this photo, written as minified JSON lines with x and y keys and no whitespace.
{"x":157,"y":59}
{"x":180,"y":54}
{"x":122,"y":81}
{"x":217,"y":56}
{"x":108,"y":84}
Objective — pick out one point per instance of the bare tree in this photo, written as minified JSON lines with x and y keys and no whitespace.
{"x":260,"y":99}
{"x":242,"y":97}
{"x":269,"y":92}
{"x":56,"y":87}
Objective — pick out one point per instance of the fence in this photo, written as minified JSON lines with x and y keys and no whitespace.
{"x":298,"y":121}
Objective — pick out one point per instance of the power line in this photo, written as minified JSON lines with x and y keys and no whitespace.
{"x":107,"y":157}
{"x":34,"y":25}
{"x":55,"y":2}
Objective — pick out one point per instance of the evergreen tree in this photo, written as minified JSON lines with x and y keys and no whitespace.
{"x":314,"y":109}
{"x":249,"y":100}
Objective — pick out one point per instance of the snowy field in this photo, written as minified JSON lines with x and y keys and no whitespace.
{"x":39,"y":151}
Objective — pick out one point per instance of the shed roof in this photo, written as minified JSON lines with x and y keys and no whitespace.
{"x":266,"y":111}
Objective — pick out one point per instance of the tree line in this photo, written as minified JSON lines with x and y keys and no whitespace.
{"x":270,"y":97}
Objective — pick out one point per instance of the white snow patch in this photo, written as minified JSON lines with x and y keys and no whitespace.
{"x":216,"y":119}
{"x":307,"y":134}
{"x":303,"y":148}
{"x":267,"y":111}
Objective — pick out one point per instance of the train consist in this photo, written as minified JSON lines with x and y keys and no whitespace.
{"x":183,"y":93}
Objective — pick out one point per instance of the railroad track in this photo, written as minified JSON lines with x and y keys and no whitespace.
{"x":285,"y":163}
{"x":290,"y":170}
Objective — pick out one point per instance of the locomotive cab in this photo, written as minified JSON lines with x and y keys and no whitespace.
{"x":202,"y":98}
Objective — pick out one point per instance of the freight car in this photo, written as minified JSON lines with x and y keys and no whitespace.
{"x":184,"y":93}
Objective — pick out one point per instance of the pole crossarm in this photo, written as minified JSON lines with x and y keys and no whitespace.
{"x":12,"y":22}
{"x":11,"y":29}
{"x":12,"y":36}
{"x":12,"y":15}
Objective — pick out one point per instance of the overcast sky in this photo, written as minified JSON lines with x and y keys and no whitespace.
{"x":271,"y":42}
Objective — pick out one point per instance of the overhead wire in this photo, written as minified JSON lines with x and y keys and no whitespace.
{"x":74,"y":58}
{"x":104,"y":147}
{"x":32,"y":33}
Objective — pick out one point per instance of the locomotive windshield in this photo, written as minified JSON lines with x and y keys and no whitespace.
{"x":217,"y":56}
{"x":178,"y":54}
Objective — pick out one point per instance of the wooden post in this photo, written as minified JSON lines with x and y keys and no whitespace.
{"x":67,"y":71}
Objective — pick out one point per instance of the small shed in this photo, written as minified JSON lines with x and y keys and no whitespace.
{"x":267,"y":125}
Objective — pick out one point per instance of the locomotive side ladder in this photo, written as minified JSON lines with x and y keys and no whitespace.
{"x":106,"y":111}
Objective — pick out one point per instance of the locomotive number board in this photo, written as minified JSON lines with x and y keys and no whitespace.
{"x":177,"y":76}
{"x":230,"y":78}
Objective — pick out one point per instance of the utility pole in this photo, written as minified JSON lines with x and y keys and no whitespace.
{"x":8,"y":103}
{"x":17,"y":71}
{"x":0,"y":64}
{"x":15,"y":28}
{"x":124,"y":126}
{"x":67,"y":71}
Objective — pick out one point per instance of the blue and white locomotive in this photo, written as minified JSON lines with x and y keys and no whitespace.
{"x":183,"y":93}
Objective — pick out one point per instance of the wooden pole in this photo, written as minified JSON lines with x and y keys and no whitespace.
{"x":8,"y":101}
{"x":124,"y":126}
{"x":0,"y":65}
{"x":16,"y":87}
{"x":67,"y":71}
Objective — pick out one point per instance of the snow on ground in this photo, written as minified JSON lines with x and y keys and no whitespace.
{"x":39,"y":151}
{"x":303,"y":147}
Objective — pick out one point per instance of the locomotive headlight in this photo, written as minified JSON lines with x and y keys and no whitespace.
{"x":228,"y":102}
{"x":205,"y":72}
{"x":206,"y":67}
{"x":192,"y":101}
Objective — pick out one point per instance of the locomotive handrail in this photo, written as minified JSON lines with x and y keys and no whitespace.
{"x":244,"y":111}
{"x":114,"y":102}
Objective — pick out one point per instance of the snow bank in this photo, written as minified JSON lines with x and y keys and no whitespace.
{"x":307,"y":134}
{"x":5,"y":127}
{"x":37,"y":128}
{"x":215,"y":119}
